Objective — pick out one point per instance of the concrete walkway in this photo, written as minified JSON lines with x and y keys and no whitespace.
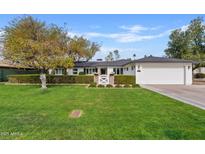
{"x":193,"y":94}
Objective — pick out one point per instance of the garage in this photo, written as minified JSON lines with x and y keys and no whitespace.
{"x":160,"y":70}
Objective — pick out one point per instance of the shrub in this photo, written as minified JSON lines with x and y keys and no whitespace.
{"x":92,"y":85}
{"x":199,"y":75}
{"x":127,"y":86}
{"x":80,"y":79}
{"x":24,"y":78}
{"x":83,"y":79}
{"x":109,"y":86}
{"x":101,"y":86}
{"x":135,"y":85}
{"x":124,"y":79}
{"x":118,"y":86}
{"x":81,"y":73}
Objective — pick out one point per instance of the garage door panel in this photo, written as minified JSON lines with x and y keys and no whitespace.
{"x":161,"y":75}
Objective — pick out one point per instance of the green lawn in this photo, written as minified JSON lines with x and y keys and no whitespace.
{"x":28,"y":113}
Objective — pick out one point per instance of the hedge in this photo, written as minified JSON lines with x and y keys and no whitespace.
{"x":82,"y":79}
{"x":124,"y":79}
{"x":199,"y":75}
{"x":24,"y":78}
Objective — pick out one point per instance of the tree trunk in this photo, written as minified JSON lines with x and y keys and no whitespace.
{"x":43,"y":80}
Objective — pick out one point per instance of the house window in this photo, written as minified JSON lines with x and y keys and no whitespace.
{"x":114,"y":70}
{"x":75,"y":71}
{"x":95,"y":70}
{"x":121,"y":70}
{"x":90,"y":70}
{"x":133,"y":67}
{"x":118,"y":70}
{"x":59,"y":71}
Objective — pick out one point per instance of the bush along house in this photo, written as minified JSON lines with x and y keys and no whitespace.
{"x":148,"y":70}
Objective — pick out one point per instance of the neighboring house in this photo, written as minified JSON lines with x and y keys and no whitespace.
{"x":149,"y":70}
{"x":6,"y":68}
{"x":199,"y":70}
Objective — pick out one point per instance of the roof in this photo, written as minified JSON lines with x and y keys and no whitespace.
{"x":124,"y":62}
{"x":9,"y":64}
{"x":152,"y":59}
{"x":119,"y":63}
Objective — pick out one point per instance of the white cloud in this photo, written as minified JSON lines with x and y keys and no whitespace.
{"x":126,"y":37}
{"x":121,"y":37}
{"x":130,"y":35}
{"x":134,"y":28}
{"x":72,"y":34}
{"x":138,"y":28}
{"x":184,"y":28}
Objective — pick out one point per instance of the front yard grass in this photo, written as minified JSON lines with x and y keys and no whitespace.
{"x":28,"y":113}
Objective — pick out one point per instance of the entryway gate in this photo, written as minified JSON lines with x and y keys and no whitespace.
{"x":103,"y":79}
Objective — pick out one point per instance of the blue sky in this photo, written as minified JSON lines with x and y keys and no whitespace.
{"x":139,"y":34}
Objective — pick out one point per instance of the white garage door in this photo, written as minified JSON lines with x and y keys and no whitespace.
{"x":161,"y":74}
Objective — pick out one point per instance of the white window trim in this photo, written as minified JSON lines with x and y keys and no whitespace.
{"x":75,"y":71}
{"x":59,"y":70}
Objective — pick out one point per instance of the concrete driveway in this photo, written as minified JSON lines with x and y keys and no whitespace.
{"x":193,"y":94}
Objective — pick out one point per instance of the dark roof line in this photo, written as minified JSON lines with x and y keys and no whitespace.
{"x":152,"y":59}
{"x":121,"y":62}
{"x":124,"y":62}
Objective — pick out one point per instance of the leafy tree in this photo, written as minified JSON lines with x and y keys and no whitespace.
{"x":32,"y":43}
{"x":178,"y":44}
{"x":1,"y":44}
{"x":82,"y":49}
{"x":188,"y":44}
{"x":116,"y":54}
{"x":113,"y":56}
{"x":109,"y":57}
{"x":196,"y":35}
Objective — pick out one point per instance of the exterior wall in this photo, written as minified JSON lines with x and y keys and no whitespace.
{"x":80,"y":70}
{"x":188,"y":74}
{"x":50,"y":71}
{"x":109,"y":70}
{"x":111,"y":79}
{"x":164,"y":73}
{"x":129,"y":71}
{"x":70,"y":71}
{"x":125,"y":71}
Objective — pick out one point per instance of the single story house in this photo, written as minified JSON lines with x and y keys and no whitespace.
{"x":148,"y":70}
